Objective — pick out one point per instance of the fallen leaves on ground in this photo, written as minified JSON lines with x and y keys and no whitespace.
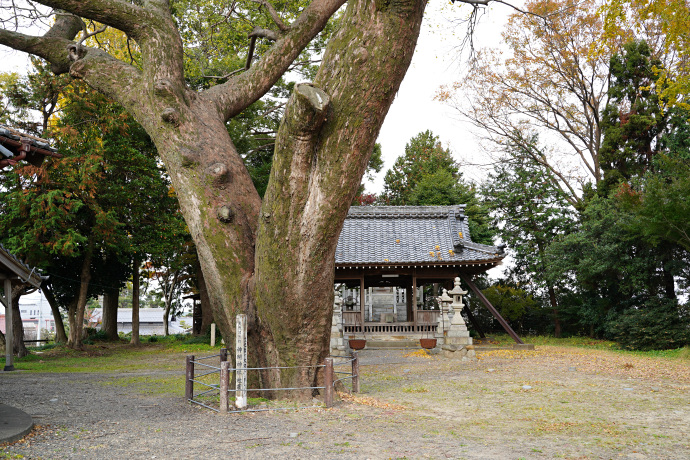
{"x":599,"y":362}
{"x":421,"y":353}
{"x":366,"y":401}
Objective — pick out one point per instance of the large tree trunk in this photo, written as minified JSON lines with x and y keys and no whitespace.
{"x":135,"y":302}
{"x":324,"y":143}
{"x":60,"y":334}
{"x":110,"y":304}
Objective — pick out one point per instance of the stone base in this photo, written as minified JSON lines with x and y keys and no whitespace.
{"x":458,"y":341}
{"x":464,"y":353}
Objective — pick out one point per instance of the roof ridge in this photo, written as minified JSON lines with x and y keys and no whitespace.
{"x":402,"y":211}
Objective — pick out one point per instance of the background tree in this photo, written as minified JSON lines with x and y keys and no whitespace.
{"x":424,"y":155}
{"x":550,"y":84}
{"x":120,"y":180}
{"x":531,"y":213}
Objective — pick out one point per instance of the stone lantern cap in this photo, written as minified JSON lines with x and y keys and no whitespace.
{"x":457,"y":290}
{"x":444,"y":297}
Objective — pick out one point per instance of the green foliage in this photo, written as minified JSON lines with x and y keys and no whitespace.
{"x":424,"y":155}
{"x":427,"y":175}
{"x":440,"y":188}
{"x":22,"y":96}
{"x":107,"y":195}
{"x":634,"y":117}
{"x":657,"y":324}
{"x":512,"y":303}
{"x":531,"y":213}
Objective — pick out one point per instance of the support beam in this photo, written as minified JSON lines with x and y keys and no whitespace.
{"x":491,"y":308}
{"x":475,"y":324}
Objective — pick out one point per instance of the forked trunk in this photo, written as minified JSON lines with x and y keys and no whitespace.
{"x":77,"y":315}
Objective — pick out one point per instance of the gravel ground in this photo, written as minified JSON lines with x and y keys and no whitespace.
{"x":412,"y":406}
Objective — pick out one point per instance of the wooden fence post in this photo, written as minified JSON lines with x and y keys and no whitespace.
{"x":224,"y":378}
{"x":189,"y":378}
{"x":355,"y":372}
{"x":328,"y":382}
{"x":223,"y":354}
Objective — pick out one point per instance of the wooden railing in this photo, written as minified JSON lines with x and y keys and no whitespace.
{"x":427,"y":321}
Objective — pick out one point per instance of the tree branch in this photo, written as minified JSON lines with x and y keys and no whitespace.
{"x":274,"y":14}
{"x":53,"y":49}
{"x":238,"y":93}
{"x":123,"y":15}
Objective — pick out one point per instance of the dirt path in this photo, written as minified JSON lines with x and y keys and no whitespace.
{"x":552,"y":403}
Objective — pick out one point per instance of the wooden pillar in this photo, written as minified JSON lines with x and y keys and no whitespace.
{"x":9,"y":329}
{"x":362,"y":298}
{"x":224,"y":384}
{"x":355,"y":372}
{"x":413,"y":298}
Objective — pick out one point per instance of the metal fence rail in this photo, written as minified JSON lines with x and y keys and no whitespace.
{"x":220,"y":388}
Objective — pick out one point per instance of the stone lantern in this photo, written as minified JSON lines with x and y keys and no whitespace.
{"x":457,"y":331}
{"x":444,"y":302}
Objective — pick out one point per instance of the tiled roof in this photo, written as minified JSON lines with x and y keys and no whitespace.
{"x":16,"y":146}
{"x":414,"y":235}
{"x":9,"y":261}
{"x":6,"y":131}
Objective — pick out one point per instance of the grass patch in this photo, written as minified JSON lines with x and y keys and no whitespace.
{"x":592,"y":344}
{"x":167,"y":353}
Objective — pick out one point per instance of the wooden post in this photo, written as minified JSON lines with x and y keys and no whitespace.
{"x":362,"y":298}
{"x":224,"y":383}
{"x":355,"y":372}
{"x":9,"y":329}
{"x":189,"y":379}
{"x":328,"y":383}
{"x":241,"y":361}
{"x":213,"y":334}
{"x":223,"y":354}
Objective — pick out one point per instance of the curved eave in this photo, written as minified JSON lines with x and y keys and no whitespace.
{"x":485,"y":264}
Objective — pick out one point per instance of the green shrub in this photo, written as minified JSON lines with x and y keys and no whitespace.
{"x":655,"y":325}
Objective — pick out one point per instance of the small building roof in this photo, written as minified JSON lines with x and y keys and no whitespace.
{"x":16,"y":146}
{"x":14,"y":269}
{"x":418,"y":236}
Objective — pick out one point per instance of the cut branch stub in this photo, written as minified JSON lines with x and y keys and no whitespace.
{"x":171,"y":115}
{"x":219,"y":174}
{"x":310,"y":105}
{"x":225,"y":214}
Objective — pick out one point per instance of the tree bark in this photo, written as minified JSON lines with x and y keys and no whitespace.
{"x":135,"y":302}
{"x":60,"y":334}
{"x":554,"y":310}
{"x":110,"y":304}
